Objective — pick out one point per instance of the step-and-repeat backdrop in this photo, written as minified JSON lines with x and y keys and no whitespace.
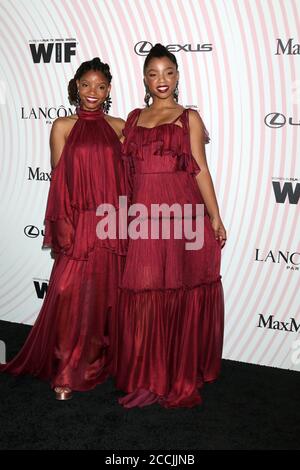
{"x":239,"y":66}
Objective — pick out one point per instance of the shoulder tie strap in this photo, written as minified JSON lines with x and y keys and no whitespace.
{"x":131,"y":120}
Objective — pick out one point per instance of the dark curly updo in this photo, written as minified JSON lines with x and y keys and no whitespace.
{"x":94,"y":64}
{"x":158,"y":51}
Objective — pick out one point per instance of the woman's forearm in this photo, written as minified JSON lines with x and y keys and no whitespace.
{"x":207,"y":190}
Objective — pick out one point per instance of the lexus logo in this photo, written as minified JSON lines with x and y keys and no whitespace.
{"x":31,"y":231}
{"x":143,"y":47}
{"x":277,"y":120}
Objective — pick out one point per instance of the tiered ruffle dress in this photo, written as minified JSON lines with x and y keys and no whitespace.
{"x":69,"y":343}
{"x":169,"y":325}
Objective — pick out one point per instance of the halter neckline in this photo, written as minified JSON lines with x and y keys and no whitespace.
{"x":89,"y":115}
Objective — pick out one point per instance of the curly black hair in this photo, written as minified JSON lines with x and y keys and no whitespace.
{"x":94,"y":64}
{"x":159,"y":51}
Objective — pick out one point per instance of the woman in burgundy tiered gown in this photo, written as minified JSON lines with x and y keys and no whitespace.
{"x":69,"y":343}
{"x":169,"y":326}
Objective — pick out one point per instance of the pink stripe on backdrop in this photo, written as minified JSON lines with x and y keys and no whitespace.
{"x":284,"y":308}
{"x":261,"y":191}
{"x":236,"y":283}
{"x":20,"y":68}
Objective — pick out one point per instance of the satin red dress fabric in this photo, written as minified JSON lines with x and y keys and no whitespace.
{"x":69,"y":343}
{"x":169,"y":324}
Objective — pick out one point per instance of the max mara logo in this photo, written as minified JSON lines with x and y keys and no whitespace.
{"x":271,"y":324}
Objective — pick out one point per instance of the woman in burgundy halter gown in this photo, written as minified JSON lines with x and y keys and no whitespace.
{"x":169,"y":325}
{"x":69,"y":343}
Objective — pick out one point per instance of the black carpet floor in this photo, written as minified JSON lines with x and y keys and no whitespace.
{"x":250,"y":407}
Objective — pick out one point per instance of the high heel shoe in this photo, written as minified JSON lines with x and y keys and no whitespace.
{"x":63,"y":393}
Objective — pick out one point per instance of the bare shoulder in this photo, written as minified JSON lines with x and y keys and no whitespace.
{"x":196,"y":123}
{"x":62,"y":126}
{"x":197,"y":127}
{"x":117,"y":124}
{"x":132,"y":112}
{"x":60,"y":131}
{"x":117,"y":121}
{"x":194,"y":116}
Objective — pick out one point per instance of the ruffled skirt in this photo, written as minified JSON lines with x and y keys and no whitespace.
{"x":168,"y":332}
{"x":69,"y":343}
{"x":169,"y":345}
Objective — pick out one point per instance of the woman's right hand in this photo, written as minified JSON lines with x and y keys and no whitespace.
{"x":219,"y":229}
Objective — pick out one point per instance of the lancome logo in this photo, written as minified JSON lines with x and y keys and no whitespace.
{"x":48,"y":113}
{"x":291,"y":259}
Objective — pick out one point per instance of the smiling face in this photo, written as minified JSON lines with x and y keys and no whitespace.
{"x":93,"y":88}
{"x":161,"y":77}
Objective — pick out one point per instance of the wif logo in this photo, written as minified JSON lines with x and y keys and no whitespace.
{"x":52,"y":50}
{"x":40,"y":289}
{"x":286,"y":191}
{"x":2,"y":352}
